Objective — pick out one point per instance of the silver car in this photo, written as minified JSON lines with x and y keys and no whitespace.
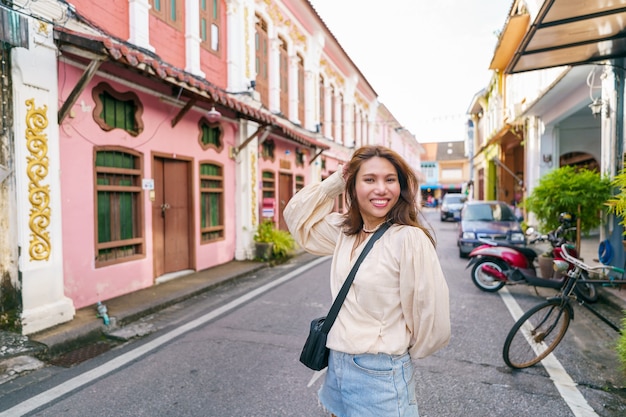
{"x":451,"y":206}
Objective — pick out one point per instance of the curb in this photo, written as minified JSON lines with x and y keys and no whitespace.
{"x":613,"y":300}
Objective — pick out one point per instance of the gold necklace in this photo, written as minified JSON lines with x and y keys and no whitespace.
{"x":371,"y":230}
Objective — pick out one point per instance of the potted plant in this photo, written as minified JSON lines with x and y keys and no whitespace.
{"x":578,"y":191}
{"x":263,"y":240}
{"x":272,"y":244}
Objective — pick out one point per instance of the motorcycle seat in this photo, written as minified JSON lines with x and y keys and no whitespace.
{"x":530,"y":254}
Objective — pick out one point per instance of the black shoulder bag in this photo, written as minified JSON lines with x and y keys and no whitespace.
{"x":315,"y":353}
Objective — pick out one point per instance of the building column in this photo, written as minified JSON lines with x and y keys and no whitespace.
{"x":327,"y":125}
{"x":247,"y":180}
{"x":240,"y":45}
{"x":37,"y":172}
{"x":139,"y":23}
{"x":192,"y":38}
{"x":292,"y":112}
{"x":274,"y":73}
{"x":338,"y":115}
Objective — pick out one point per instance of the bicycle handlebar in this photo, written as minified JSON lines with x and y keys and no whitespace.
{"x":580,"y":264}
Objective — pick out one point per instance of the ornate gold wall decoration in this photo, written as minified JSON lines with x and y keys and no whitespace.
{"x":361,"y":102}
{"x":37,"y":171}
{"x":253,"y":199}
{"x":279,"y":19}
{"x":43,"y":28}
{"x":331,"y":72}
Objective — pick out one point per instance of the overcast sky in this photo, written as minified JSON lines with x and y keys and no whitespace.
{"x":425,"y":59}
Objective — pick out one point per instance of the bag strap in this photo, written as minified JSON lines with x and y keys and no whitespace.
{"x":334,"y":309}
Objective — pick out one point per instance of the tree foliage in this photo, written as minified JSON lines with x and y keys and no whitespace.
{"x":579,"y":191}
{"x":617,"y":203}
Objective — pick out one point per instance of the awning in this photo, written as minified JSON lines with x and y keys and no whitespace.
{"x":567,"y":32}
{"x":430,"y":186}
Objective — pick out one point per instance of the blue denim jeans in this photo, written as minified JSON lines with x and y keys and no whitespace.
{"x":369,"y":385}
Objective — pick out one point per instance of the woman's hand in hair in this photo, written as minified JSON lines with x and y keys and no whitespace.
{"x":344,"y":171}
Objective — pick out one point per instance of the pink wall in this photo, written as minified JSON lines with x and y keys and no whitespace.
{"x":168,"y":42}
{"x":84,"y":283}
{"x":111,"y":14}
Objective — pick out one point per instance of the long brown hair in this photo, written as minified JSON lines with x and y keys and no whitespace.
{"x":405,"y":211}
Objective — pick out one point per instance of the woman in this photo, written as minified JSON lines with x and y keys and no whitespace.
{"x":397,"y":308}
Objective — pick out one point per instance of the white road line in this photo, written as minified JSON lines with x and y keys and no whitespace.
{"x":316,"y":375}
{"x":104,"y":369}
{"x":562,"y":381}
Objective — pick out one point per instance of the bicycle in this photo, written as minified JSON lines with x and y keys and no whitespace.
{"x":539,"y":331}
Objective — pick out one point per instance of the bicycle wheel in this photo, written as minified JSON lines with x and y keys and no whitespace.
{"x":537,"y":333}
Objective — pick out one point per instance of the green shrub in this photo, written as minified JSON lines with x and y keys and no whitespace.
{"x":264,"y":232}
{"x":283,"y":244}
{"x":568,"y":189}
{"x":617,"y":203}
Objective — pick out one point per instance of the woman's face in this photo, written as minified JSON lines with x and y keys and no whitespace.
{"x":377,"y":190}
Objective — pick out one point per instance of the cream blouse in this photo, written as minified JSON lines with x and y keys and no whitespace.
{"x":399,"y":298}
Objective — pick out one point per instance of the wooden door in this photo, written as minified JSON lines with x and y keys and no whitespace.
{"x":171,"y":216}
{"x":285,"y":192}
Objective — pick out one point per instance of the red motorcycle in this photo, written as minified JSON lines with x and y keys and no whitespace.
{"x":496,"y":264}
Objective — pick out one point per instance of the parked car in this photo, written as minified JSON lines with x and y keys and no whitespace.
{"x":493,"y":220}
{"x":451,"y":206}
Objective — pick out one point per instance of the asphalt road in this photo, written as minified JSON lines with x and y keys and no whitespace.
{"x":234,"y":352}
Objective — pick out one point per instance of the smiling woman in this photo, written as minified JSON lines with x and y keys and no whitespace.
{"x":397,"y":308}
